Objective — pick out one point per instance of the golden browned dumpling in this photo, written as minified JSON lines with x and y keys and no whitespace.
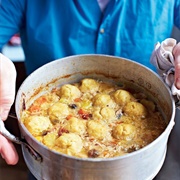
{"x":106,"y":113}
{"x":58,"y":112}
{"x":124,"y":131}
{"x":89,"y":85}
{"x":106,"y":88}
{"x":135,"y":109}
{"x":97,"y":129}
{"x":69,"y":92}
{"x":70,"y":142}
{"x":76,"y":125}
{"x":49,"y":139}
{"x":103,"y":100}
{"x":122,"y":97}
{"x":52,"y":98}
{"x":37,"y":124}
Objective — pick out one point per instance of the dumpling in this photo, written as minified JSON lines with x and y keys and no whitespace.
{"x":103,"y":100}
{"x":89,"y":85}
{"x":124,"y":131}
{"x":69,"y":92}
{"x":69,"y":142}
{"x":122,"y":97}
{"x":76,"y":125}
{"x":57,"y":112}
{"x":97,"y":129}
{"x":106,"y":114}
{"x":49,"y":139}
{"x":135,"y":109}
{"x":106,"y":88}
{"x":37,"y":124}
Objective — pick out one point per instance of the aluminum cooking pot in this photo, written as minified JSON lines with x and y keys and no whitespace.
{"x":47,"y":164}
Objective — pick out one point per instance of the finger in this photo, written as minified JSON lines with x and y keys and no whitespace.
{"x":176,"y":53}
{"x":8,"y":151}
{"x":7,"y":85}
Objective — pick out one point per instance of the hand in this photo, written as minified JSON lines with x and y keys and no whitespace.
{"x":176,"y":53}
{"x":7,"y":94}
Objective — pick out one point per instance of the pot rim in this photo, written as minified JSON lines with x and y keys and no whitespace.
{"x":165,"y":132}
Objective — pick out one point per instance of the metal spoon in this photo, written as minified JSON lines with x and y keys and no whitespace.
{"x":7,"y":134}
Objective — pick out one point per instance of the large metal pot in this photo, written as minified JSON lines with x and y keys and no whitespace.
{"x":143,"y":164}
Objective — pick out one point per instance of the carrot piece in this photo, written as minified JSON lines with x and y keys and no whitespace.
{"x":34,"y":108}
{"x":69,"y":116}
{"x":41,"y":100}
{"x":77,"y":100}
{"x":81,"y":111}
{"x":83,"y":114}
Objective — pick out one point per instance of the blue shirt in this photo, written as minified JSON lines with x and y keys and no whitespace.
{"x":52,"y":29}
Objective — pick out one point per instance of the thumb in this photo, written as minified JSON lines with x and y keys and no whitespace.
{"x":7,"y":85}
{"x":8,"y":151}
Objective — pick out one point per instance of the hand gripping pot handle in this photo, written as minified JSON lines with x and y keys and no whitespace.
{"x":18,"y":140}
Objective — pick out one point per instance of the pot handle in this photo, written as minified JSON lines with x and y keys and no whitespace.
{"x":17,"y":140}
